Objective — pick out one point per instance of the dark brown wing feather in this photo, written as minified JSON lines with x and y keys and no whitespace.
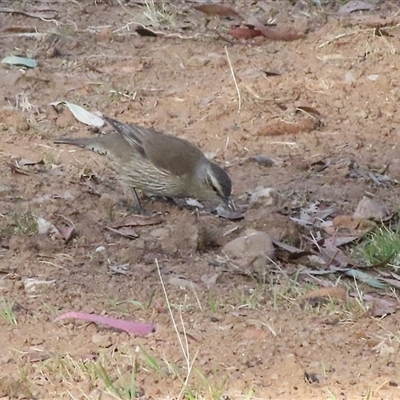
{"x":166,"y":152}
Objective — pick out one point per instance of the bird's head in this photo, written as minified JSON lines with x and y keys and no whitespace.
{"x":219,"y":182}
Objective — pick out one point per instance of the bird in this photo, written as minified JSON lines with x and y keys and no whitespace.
{"x":158,"y":164}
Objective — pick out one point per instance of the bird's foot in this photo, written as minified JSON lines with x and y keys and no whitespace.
{"x":133,"y":207}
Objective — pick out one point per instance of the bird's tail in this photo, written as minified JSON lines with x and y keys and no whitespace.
{"x":118,"y":126}
{"x":81,"y":142}
{"x":132,"y":133}
{"x":97,"y":144}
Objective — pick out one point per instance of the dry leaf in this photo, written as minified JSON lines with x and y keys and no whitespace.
{"x":284,"y":128}
{"x":336,"y":293}
{"x":140,"y":220}
{"x":81,"y":114}
{"x":284,"y":33}
{"x":380,"y":306}
{"x":20,"y":29}
{"x":38,"y":13}
{"x":346,"y":224}
{"x":309,"y":110}
{"x":124,"y":231}
{"x":68,"y":233}
{"x":91,"y":67}
{"x":142,"y":31}
{"x":120,"y":269}
{"x":16,"y":170}
{"x":334,"y":256}
{"x":216,"y":9}
{"x":244,"y":33}
{"x":352,"y":6}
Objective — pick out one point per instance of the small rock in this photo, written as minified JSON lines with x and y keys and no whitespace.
{"x":184,"y":236}
{"x":265,"y":161}
{"x":46,"y":227}
{"x":278,"y":227}
{"x":371,"y":209}
{"x":182,"y":283}
{"x":252,"y":250}
{"x":32,"y":285}
{"x":386,"y":351}
{"x":101,"y":340}
{"x":349,"y":77}
{"x":265,"y":197}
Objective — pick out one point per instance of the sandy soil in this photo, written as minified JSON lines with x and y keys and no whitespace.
{"x":246,"y":339}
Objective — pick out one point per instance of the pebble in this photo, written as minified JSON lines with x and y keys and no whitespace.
{"x":264,"y":197}
{"x":369,"y":208}
{"x":252,"y":250}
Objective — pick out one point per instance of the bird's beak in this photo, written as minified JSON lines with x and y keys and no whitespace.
{"x":229,"y":202}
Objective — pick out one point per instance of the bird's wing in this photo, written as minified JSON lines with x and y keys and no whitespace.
{"x":133,"y":134}
{"x":166,"y":152}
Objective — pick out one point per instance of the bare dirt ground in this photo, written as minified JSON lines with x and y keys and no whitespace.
{"x":247,"y":339}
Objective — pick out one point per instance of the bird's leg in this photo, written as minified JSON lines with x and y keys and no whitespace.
{"x":136,"y":206}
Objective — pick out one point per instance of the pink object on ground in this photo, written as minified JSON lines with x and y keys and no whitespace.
{"x":137,"y":328}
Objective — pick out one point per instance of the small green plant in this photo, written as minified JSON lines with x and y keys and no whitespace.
{"x":120,"y":388}
{"x":151,"y":361}
{"x":111,"y":214}
{"x":17,"y":223}
{"x":159,"y":13}
{"x":331,"y":395}
{"x":212,"y":302}
{"x":117,"y":95}
{"x":25,"y":224}
{"x":99,"y":371}
{"x":50,"y":159}
{"x":249,"y":299}
{"x":284,"y":293}
{"x":368,"y":395}
{"x":383,"y":244}
{"x":215,"y":393}
{"x":7,"y":311}
{"x":249,"y":394}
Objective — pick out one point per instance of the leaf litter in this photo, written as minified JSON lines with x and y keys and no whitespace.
{"x":330,"y":258}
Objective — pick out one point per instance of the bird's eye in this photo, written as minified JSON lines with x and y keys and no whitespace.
{"x":215,"y":189}
{"x":212,"y":185}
